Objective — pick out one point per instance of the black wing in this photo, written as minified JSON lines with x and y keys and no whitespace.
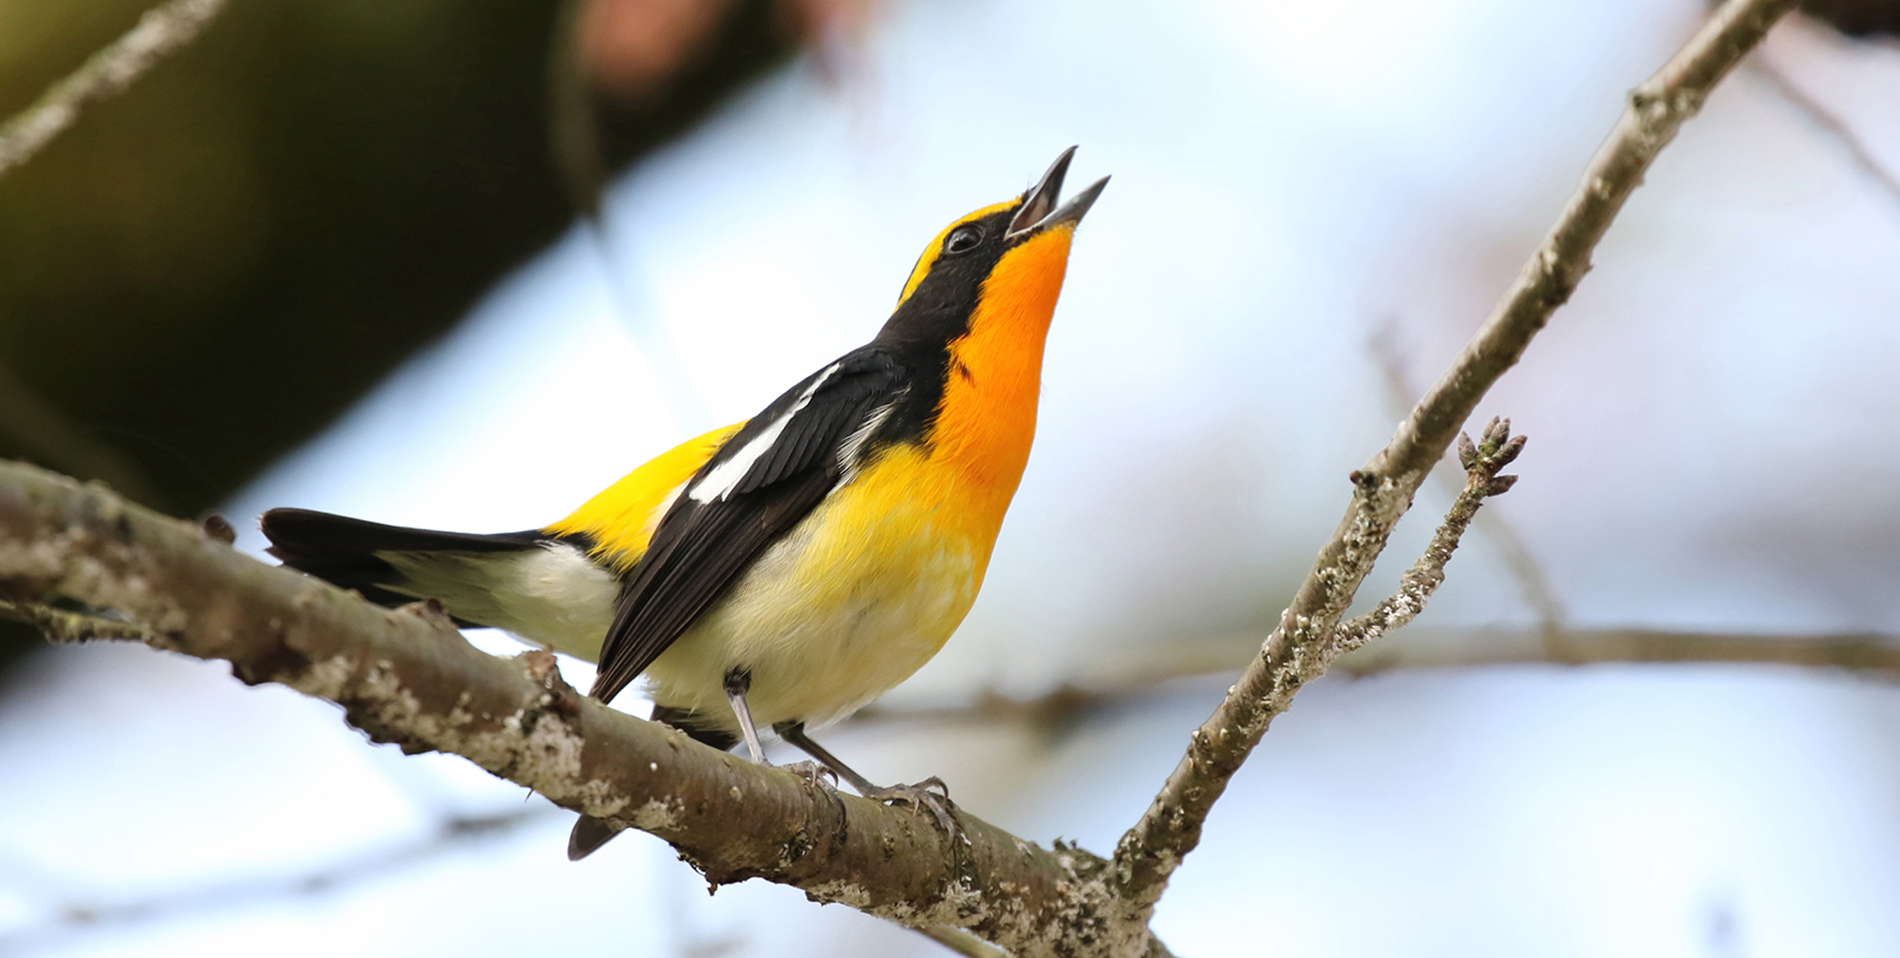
{"x":759,"y":485}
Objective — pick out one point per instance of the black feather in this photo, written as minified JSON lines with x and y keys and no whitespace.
{"x":343,"y":551}
{"x":701,"y":548}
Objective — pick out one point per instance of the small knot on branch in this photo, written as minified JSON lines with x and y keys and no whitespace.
{"x":430,"y":611}
{"x":545,"y":670}
{"x":217,"y":527}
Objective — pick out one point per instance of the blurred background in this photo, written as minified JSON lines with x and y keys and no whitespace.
{"x":338,"y":255}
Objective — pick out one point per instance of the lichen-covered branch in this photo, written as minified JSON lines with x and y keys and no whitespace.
{"x":1185,"y":799}
{"x":1303,"y":644}
{"x":1482,"y":463}
{"x":1532,"y":581}
{"x":61,"y":625}
{"x":107,"y":73}
{"x":407,"y":677}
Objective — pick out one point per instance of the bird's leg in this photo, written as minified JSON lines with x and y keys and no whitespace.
{"x":918,"y":794}
{"x":738,"y":682}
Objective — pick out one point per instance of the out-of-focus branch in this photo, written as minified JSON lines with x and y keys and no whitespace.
{"x":1304,"y":644}
{"x":38,"y":429}
{"x":452,"y":834}
{"x":1859,"y":652}
{"x":1117,"y":681}
{"x":1829,"y":123}
{"x":408,"y":677}
{"x":161,"y":31}
{"x":962,"y":942}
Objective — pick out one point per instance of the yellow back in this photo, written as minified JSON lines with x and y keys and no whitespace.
{"x":621,"y":519}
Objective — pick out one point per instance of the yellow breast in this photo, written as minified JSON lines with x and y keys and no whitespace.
{"x":853,"y":601}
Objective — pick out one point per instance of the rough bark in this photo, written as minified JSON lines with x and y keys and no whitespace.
{"x":407,"y":677}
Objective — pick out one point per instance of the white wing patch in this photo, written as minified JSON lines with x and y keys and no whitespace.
{"x":848,"y":461}
{"x":718,"y":483}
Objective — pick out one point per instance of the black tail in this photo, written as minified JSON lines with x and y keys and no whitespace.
{"x":344,"y":550}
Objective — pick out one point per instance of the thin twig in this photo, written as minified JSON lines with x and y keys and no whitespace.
{"x":573,"y":126}
{"x":39,"y":430}
{"x":1829,"y":123}
{"x":161,"y":31}
{"x":1871,"y":653}
{"x":962,"y":942}
{"x":1482,"y":463}
{"x":1532,"y":581}
{"x":1303,"y":645}
{"x":450,"y":835}
{"x":1416,"y":650}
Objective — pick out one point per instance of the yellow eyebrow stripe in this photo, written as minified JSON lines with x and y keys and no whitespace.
{"x":924,"y":262}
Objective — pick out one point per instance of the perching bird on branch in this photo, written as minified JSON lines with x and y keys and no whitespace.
{"x":787,"y":570}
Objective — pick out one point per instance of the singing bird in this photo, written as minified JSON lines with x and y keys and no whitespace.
{"x":784,"y":571}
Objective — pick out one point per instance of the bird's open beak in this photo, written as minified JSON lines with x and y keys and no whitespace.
{"x":1039,"y":210}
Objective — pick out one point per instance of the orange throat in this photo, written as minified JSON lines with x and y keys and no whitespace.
{"x":988,"y":418}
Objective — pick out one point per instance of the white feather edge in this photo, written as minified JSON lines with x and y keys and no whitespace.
{"x":719,"y":482}
{"x":848,"y":459}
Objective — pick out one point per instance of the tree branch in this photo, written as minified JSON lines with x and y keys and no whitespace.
{"x":962,"y":942}
{"x":1532,"y":581}
{"x":1829,"y":123}
{"x":60,"y":625}
{"x":1482,"y":463}
{"x":1858,"y":652}
{"x":406,"y":676}
{"x":1304,"y":643}
{"x":75,"y":917}
{"x":1421,"y":649}
{"x":161,"y":31}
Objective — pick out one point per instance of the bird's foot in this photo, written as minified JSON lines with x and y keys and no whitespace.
{"x":813,"y":772}
{"x":920,"y":796}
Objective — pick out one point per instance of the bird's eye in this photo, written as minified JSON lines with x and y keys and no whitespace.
{"x":963,"y":239}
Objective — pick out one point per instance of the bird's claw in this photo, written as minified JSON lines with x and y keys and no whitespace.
{"x":920,"y":795}
{"x":813,"y":773}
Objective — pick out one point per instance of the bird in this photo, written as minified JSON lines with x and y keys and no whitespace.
{"x":784,"y":571}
